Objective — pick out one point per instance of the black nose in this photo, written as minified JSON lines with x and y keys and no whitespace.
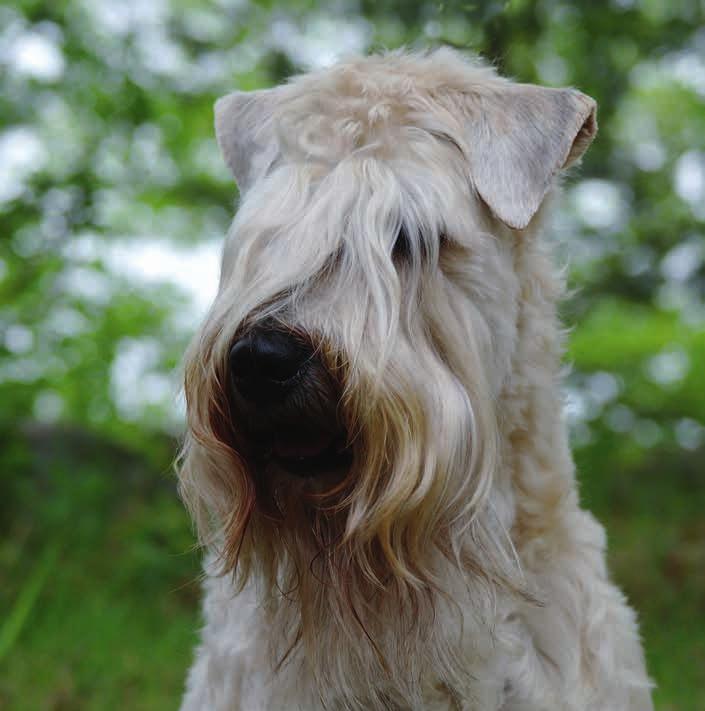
{"x":263,"y":363}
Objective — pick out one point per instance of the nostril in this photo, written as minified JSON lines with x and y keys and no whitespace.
{"x":277,"y":356}
{"x":241,"y":358}
{"x":263,"y":358}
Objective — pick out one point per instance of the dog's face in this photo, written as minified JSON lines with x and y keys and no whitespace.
{"x":342,"y":391}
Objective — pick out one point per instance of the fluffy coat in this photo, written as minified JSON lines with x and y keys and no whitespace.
{"x":451,"y":567}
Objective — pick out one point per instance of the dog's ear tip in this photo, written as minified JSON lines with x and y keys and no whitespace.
{"x":515,"y":216}
{"x":518,"y":222}
{"x":223,"y":105}
{"x":586,"y":123}
{"x":524,"y":137}
{"x":240,"y":120}
{"x":221,"y":102}
{"x":220,"y":110}
{"x":224,"y":120}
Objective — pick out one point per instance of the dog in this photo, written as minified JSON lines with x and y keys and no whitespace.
{"x":376,"y":458}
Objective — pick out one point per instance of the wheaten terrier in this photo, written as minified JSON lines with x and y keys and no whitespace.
{"x":376,"y":457}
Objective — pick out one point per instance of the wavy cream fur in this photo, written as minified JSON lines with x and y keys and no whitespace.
{"x":452,"y":568}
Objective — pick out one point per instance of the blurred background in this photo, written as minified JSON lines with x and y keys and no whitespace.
{"x":113,"y":205}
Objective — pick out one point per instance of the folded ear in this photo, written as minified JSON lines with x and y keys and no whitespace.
{"x":245,"y":132}
{"x":518,"y":138}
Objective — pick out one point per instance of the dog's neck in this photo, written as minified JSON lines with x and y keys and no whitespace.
{"x":538,"y":470}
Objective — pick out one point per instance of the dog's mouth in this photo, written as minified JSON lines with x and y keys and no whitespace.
{"x":306,"y":454}
{"x":285,"y":404}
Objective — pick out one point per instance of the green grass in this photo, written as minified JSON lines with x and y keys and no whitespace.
{"x":660,"y":566}
{"x":101,"y":650}
{"x":108,"y":617}
{"x":656,"y":533}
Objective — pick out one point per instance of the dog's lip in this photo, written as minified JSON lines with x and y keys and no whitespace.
{"x":301,"y":449}
{"x":311,"y":455}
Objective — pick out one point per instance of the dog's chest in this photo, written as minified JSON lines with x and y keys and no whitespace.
{"x":234,"y":668}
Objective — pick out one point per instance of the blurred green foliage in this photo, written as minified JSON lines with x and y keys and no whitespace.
{"x":112,"y":194}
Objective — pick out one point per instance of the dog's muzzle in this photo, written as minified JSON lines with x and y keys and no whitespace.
{"x":285,"y":404}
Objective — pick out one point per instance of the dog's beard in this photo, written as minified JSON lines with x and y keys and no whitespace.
{"x":403,"y":531}
{"x":354,"y":567}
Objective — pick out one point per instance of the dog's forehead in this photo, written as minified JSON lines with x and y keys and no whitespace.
{"x":399,"y":79}
{"x":367,"y":96}
{"x":514,"y":138}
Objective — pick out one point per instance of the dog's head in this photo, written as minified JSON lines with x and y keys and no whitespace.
{"x":342,"y":391}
